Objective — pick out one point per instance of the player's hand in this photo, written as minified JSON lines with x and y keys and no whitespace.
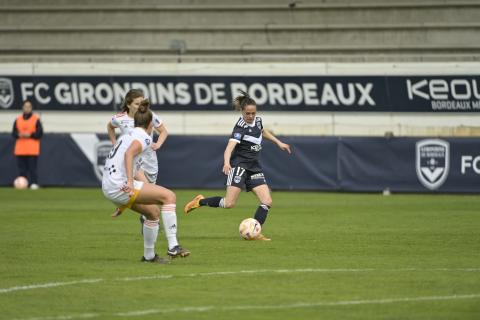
{"x":285,"y":147}
{"x":156,"y":146}
{"x":226,"y":169}
{"x":117,"y":212}
{"x":128,"y":188}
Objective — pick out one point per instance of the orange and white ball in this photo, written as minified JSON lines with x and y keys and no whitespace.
{"x":20,"y":183}
{"x":250,"y":229}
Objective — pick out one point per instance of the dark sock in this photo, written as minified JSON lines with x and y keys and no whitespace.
{"x":261,"y":213}
{"x":211,"y":202}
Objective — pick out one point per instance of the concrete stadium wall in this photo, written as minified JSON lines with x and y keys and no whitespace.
{"x":285,"y":123}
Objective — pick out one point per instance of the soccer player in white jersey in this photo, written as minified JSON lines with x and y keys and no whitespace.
{"x":241,"y":163}
{"x":146,"y":168}
{"x":119,"y":186}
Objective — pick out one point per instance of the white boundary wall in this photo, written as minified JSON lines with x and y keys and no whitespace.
{"x":284,"y":123}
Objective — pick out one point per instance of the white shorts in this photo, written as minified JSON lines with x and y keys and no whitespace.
{"x":117,"y":196}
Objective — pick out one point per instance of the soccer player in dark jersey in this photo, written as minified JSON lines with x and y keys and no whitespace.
{"x":241,"y":165}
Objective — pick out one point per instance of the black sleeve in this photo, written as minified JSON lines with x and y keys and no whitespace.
{"x":38,"y":130}
{"x":237,"y":134}
{"x":14,"y":130}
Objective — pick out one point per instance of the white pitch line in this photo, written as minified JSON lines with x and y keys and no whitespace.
{"x":66,"y":317}
{"x":298,"y":305}
{"x":145,"y":278}
{"x":48,"y":285}
{"x":225,"y":273}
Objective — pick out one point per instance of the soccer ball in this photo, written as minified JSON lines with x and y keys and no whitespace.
{"x":250,"y":229}
{"x":20,"y":183}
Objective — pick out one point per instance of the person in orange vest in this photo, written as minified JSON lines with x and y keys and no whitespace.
{"x":27,"y":130}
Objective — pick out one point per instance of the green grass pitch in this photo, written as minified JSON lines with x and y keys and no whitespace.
{"x":332,"y":256}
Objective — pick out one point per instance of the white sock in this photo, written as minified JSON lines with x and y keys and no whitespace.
{"x":150,"y":233}
{"x":169,"y":218}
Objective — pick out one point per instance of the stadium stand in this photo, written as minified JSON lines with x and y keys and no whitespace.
{"x":222,"y":31}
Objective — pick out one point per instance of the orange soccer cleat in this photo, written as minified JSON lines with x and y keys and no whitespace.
{"x":261,"y":237}
{"x":194,"y":204}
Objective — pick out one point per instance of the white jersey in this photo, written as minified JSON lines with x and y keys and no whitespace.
{"x":123,"y":122}
{"x":114,"y":175}
{"x":148,"y":162}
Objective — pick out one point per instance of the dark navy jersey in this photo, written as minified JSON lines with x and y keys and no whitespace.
{"x":247,"y":150}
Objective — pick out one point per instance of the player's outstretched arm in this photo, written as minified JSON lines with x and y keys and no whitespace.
{"x":269,"y":136}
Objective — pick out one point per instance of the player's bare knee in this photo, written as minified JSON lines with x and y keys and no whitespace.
{"x":171,"y":197}
{"x":153,"y":213}
{"x":154,"y":216}
{"x":168,"y":198}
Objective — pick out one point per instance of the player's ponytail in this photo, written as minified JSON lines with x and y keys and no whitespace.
{"x":144,"y":106}
{"x":143,"y":116}
{"x":240,"y":102}
{"x":131,"y":95}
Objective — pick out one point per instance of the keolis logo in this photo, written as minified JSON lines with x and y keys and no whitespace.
{"x":446,"y":94}
{"x":440,"y":89}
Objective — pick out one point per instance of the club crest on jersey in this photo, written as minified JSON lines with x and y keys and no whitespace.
{"x":432,"y":162}
{"x":6,"y":93}
{"x":147,"y":141}
{"x":101,"y":151}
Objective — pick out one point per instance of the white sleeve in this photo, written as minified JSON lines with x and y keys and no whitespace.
{"x":144,"y":139}
{"x":115,"y":122}
{"x":157,"y":122}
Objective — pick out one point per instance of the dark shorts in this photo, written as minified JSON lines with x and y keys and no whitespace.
{"x":240,"y":177}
